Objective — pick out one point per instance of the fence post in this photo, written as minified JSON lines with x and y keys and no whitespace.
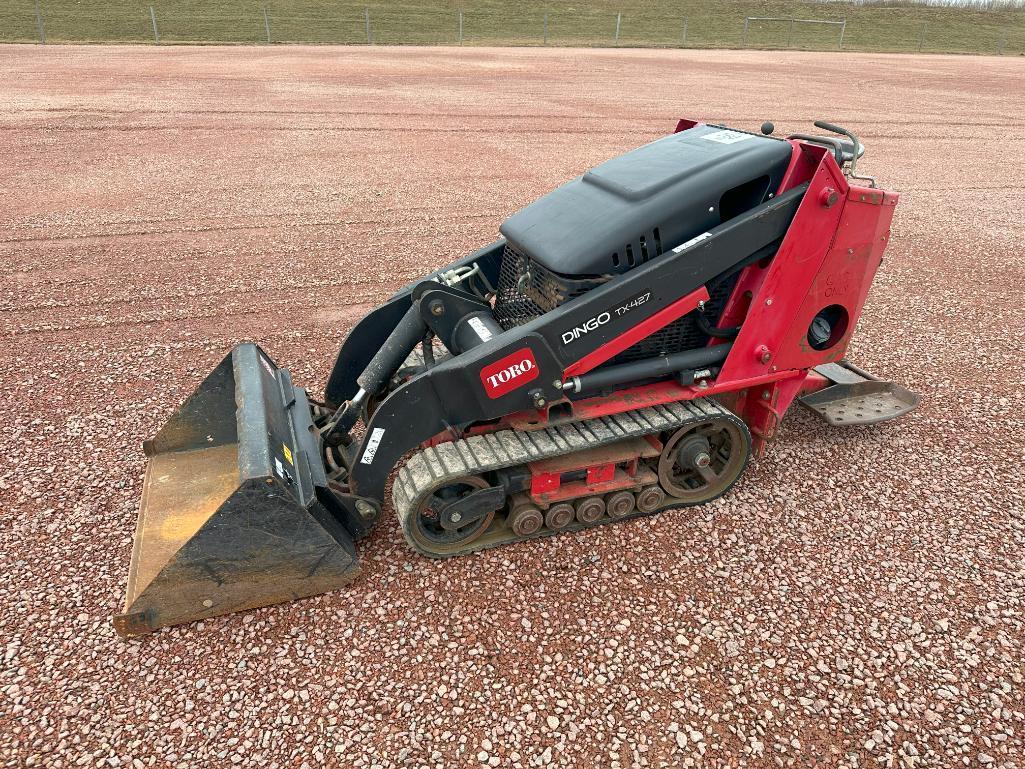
{"x":460,"y":26}
{"x":921,"y":36}
{"x":546,"y":27}
{"x":366,"y":16}
{"x":790,"y":32}
{"x":153,"y":18}
{"x":1003,"y":42}
{"x":683,"y":40}
{"x":747,"y":20}
{"x":619,"y":18}
{"x":843,"y":29}
{"x":39,"y":23}
{"x":266,"y":22}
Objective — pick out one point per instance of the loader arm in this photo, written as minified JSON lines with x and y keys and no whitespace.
{"x":367,"y":337}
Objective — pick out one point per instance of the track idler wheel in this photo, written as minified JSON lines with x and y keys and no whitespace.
{"x":700,"y":461}
{"x":426,"y":527}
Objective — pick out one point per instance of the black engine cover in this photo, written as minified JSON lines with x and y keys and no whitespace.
{"x":641,"y":204}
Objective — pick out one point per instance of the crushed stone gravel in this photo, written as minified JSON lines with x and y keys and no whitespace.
{"x":856,"y":601}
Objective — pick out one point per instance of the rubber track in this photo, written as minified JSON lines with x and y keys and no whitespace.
{"x":434,"y":466}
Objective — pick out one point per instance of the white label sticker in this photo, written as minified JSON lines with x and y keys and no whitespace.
{"x":727,"y":137}
{"x":279,"y":467}
{"x":693,"y":241}
{"x":372,"y":443}
{"x":482,"y":331}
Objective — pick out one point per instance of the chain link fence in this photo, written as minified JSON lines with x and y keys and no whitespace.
{"x":44,"y":22}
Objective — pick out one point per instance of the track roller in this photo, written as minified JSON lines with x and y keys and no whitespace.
{"x":590,"y":509}
{"x":650,"y":499}
{"x":620,"y":504}
{"x":560,"y":515}
{"x":525,"y":518}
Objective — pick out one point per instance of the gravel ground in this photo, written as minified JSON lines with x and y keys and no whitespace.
{"x":857,"y":600}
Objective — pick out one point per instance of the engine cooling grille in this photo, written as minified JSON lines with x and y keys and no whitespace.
{"x":683,"y":333}
{"x":527,"y":290}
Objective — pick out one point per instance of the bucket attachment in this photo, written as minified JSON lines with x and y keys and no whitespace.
{"x":235,"y":510}
{"x":855,"y":397}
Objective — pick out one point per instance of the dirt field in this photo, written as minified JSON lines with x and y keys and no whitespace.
{"x":858,"y":599}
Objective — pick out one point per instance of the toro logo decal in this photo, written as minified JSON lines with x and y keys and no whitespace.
{"x":511,"y":372}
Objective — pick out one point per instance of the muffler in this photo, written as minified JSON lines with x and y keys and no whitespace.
{"x":236,"y":512}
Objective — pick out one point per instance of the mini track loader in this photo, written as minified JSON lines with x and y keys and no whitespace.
{"x":621,"y":350}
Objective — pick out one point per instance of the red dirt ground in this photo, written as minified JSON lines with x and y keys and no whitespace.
{"x":857,"y":599}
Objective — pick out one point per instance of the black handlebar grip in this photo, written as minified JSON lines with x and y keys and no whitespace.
{"x":400,"y":343}
{"x":831,"y":128}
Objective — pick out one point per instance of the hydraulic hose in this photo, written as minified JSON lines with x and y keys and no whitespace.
{"x":719,"y":333}
{"x":731,"y":332}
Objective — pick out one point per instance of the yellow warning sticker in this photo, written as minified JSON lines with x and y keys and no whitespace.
{"x":288,"y":453}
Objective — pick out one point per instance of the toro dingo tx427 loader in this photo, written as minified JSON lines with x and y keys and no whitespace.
{"x":624,"y":347}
